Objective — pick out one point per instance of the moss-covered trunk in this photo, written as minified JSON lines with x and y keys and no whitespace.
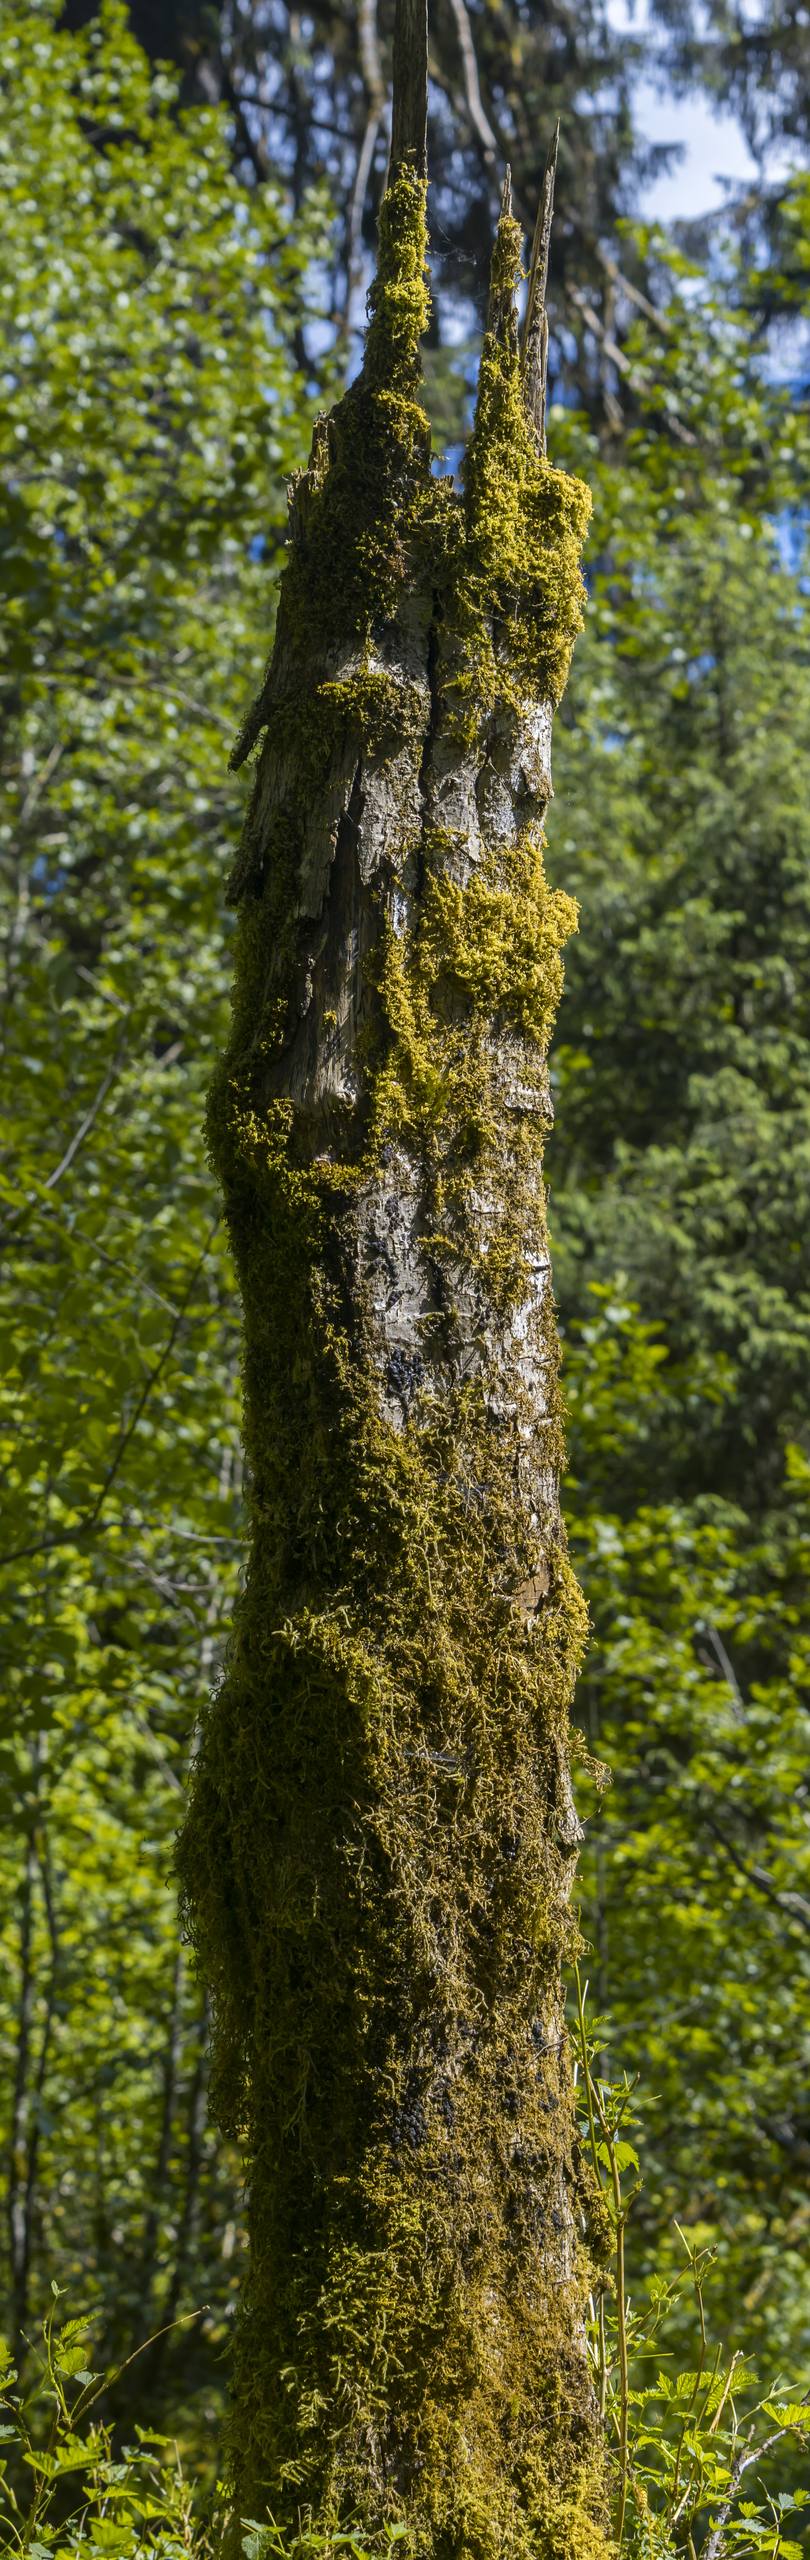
{"x":379,"y":1849}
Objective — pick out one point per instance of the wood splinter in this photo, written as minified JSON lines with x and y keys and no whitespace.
{"x":535,"y":328}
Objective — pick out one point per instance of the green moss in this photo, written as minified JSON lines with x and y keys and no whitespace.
{"x":484,"y":956}
{"x":375,"y":1861}
{"x":370,"y":498}
{"x":520,"y":594}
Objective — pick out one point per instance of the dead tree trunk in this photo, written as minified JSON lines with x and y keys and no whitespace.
{"x":379,"y":1850}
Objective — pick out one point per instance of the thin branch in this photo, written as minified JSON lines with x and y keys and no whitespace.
{"x":195,"y":2119}
{"x":620,"y":2213}
{"x":19,"y":2234}
{"x":40,"y":780}
{"x":793,"y":1905}
{"x":37,"y":785}
{"x":151,"y":1381}
{"x":118,"y":1262}
{"x":86,"y":1528}
{"x":616,"y":353}
{"x":504,"y":142}
{"x":159,"y":683}
{"x":712,"y":2548}
{"x":160,"y":2172}
{"x":634,"y":293}
{"x":472,"y":87}
{"x":622,"y":362}
{"x":85,"y":1126}
{"x":34,"y":1200}
{"x":372,"y":69}
{"x":727,"y":1667}
{"x":358,"y":206}
{"x":81,"y":1529}
{"x":35,"y":2118}
{"x":175,"y":693}
{"x":210,"y":1538}
{"x":252,"y":146}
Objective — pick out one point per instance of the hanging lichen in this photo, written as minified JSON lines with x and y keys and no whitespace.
{"x":378,"y":1853}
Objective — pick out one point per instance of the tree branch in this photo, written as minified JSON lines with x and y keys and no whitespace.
{"x":633,"y":291}
{"x":84,"y":1528}
{"x":623,"y":365}
{"x":712,"y":2548}
{"x":472,"y":87}
{"x":409,"y":108}
{"x":83,"y":1131}
{"x":19,"y":2234}
{"x":375,"y":93}
{"x":252,"y":146}
{"x":160,"y":2173}
{"x":195,"y":2135}
{"x":35,"y":2118}
{"x":793,"y":1905}
{"x":723,"y":1660}
{"x":151,"y":1381}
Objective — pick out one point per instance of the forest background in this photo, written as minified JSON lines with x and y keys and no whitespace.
{"x":187,"y":215}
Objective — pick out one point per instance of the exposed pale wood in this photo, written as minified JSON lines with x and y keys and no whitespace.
{"x":500,"y":309}
{"x":535,"y":336}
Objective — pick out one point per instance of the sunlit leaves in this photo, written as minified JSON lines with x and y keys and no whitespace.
{"x":153,"y":408}
{"x":680,"y":1172}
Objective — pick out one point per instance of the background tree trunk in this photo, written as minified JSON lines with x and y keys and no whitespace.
{"x":379,"y":1850}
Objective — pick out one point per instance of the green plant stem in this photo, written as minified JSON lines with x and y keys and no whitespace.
{"x":586,"y":2073}
{"x":621,"y":2311}
{"x":586,"y":2069}
{"x":621,"y":2322}
{"x":698,"y":2289}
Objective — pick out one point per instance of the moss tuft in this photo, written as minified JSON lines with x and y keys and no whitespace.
{"x":521,"y":591}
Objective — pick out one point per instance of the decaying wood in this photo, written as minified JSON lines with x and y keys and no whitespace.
{"x":383,"y":1837}
{"x":535,"y":337}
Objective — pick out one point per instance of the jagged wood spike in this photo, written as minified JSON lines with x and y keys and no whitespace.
{"x":535,"y":331}
{"x":501,"y":316}
{"x":410,"y":88}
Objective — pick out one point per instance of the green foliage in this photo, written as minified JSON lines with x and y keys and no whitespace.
{"x":680,"y":1200}
{"x":65,"y":2486}
{"x":152,"y":408}
{"x":265,"y":2541}
{"x":695,"y":2451}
